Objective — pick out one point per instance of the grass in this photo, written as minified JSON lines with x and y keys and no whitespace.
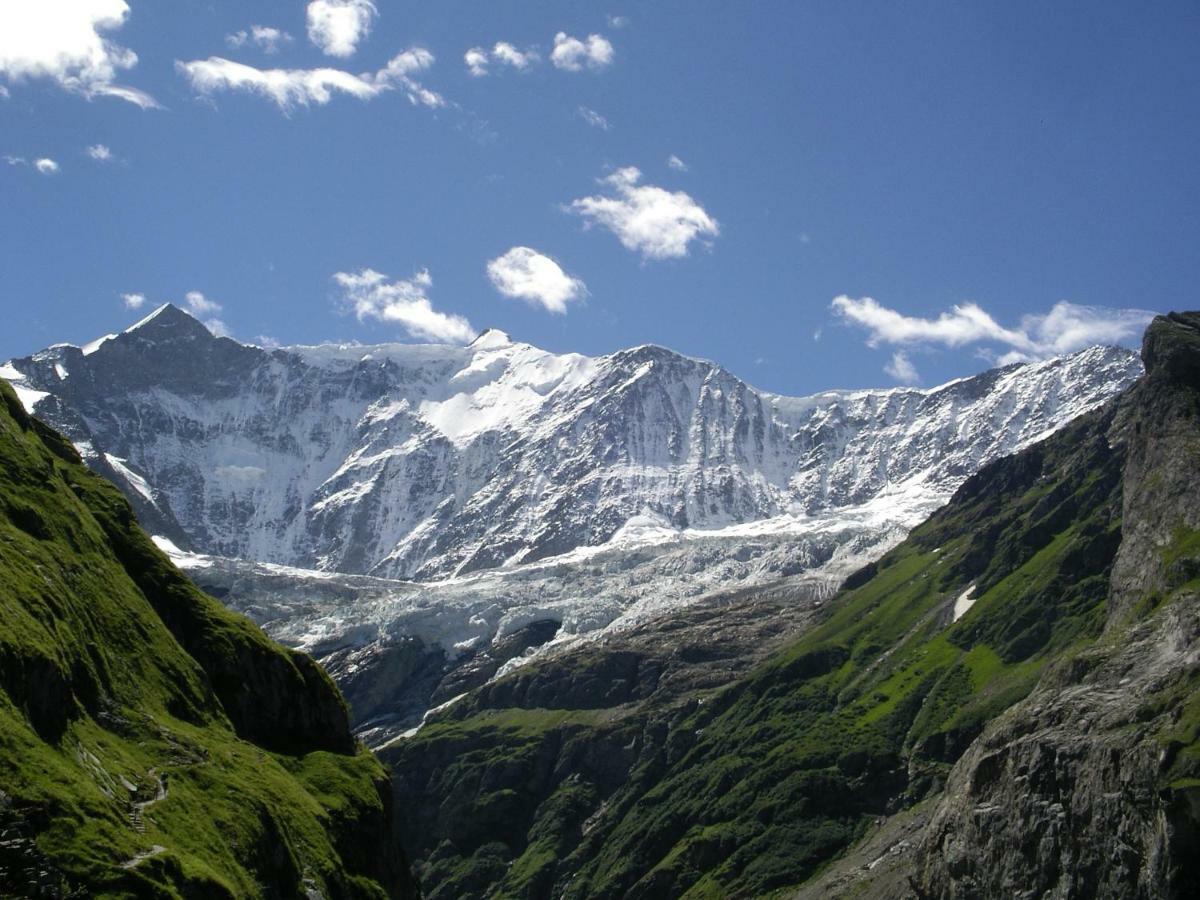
{"x":116,"y":672}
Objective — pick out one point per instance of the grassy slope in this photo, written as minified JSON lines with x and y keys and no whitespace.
{"x":116,"y":673}
{"x":870,"y":708}
{"x":775,"y":775}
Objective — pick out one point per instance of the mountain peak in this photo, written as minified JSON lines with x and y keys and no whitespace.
{"x":491,"y":339}
{"x":169,"y":322}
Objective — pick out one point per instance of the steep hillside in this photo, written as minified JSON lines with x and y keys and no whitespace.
{"x":153,"y":744}
{"x":1005,"y":704}
{"x":420,"y":461}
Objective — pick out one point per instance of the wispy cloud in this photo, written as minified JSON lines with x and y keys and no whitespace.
{"x":133,"y":300}
{"x":100,"y":153}
{"x":288,"y":88}
{"x":207,"y":311}
{"x":528,"y":275}
{"x":200,"y":305}
{"x":618,"y":21}
{"x":593,"y":118}
{"x":574,"y":55}
{"x":405,"y":302}
{"x":649,"y":220}
{"x":479,"y":59}
{"x":1067,"y":327}
{"x":902,"y":369}
{"x":66,"y":43}
{"x":267,"y":39}
{"x":338,"y":26}
{"x":676,"y":163}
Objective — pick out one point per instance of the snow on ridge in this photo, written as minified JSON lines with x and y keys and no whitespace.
{"x":419,"y":461}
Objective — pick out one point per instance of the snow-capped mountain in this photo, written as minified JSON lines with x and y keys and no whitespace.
{"x":422,"y":462}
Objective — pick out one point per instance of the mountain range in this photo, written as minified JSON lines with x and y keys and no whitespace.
{"x":934,"y":643}
{"x":420,"y":517}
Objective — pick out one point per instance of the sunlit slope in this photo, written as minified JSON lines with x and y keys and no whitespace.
{"x":152,"y":743}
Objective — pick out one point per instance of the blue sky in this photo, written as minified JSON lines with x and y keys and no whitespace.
{"x":1002,"y":180}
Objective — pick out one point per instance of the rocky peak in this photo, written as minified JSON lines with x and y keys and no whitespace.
{"x":1171,"y":347}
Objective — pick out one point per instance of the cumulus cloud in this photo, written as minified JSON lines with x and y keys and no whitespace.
{"x":100,"y":153}
{"x":371,"y":295}
{"x":657,"y":223}
{"x":267,"y":39}
{"x":64,"y":41}
{"x":337,"y":26}
{"x":573,"y":55}
{"x":902,"y":369}
{"x":479,"y":60}
{"x":593,"y":118}
{"x":134,"y":300}
{"x":288,"y":88}
{"x":527,"y":275}
{"x":676,"y":163}
{"x":46,"y":166}
{"x":509,"y":55}
{"x":1067,"y":327}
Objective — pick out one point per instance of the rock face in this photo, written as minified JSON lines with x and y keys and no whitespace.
{"x":417,"y":462}
{"x":1005,"y":704}
{"x":1088,"y":787}
{"x":152,"y":743}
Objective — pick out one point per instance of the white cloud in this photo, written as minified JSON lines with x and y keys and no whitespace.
{"x":266,"y":38}
{"x":1067,"y":327}
{"x":572,"y":55}
{"x":618,"y":21}
{"x":46,"y":166}
{"x":372,"y":296}
{"x":902,"y":369}
{"x":593,"y":118}
{"x":4,"y":94}
{"x":478,"y":59}
{"x":509,"y":55}
{"x":288,"y":88}
{"x":16,"y":160}
{"x":676,"y":163}
{"x":100,"y":153}
{"x":200,"y":305}
{"x":133,"y":301}
{"x":63,"y":40}
{"x":657,"y":223}
{"x":527,"y":275}
{"x":337,"y":26}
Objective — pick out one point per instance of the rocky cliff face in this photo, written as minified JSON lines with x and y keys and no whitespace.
{"x":1088,"y":787}
{"x":1006,"y":704}
{"x":151,"y":742}
{"x":418,"y":462}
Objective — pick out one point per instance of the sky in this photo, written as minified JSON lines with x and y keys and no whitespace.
{"x":814,"y":194}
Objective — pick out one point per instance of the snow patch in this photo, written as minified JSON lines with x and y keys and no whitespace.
{"x":964,"y":602}
{"x":135,"y":481}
